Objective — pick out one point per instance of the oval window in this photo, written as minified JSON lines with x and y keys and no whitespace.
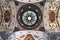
{"x":7,"y":16}
{"x":52,"y":16}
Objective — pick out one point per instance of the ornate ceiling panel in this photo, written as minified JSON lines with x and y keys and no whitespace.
{"x":29,"y":34}
{"x":7,"y":16}
{"x":51,"y":16}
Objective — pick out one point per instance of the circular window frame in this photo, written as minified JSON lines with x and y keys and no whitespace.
{"x":33,"y":8}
